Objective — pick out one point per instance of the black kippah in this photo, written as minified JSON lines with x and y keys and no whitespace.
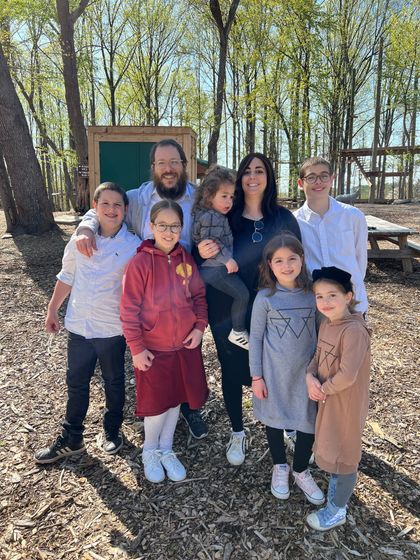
{"x":333,"y":273}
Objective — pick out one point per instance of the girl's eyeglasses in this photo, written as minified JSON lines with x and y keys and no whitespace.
{"x":257,"y":236}
{"x":174,"y":228}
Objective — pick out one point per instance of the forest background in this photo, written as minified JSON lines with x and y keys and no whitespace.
{"x":290,"y":78}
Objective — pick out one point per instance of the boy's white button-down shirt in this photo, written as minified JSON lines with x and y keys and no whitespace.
{"x":93,"y":309}
{"x":339,"y":238}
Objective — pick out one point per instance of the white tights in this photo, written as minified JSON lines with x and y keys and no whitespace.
{"x":159,"y":430}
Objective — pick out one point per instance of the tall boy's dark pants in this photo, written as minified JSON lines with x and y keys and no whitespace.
{"x":303,"y":448}
{"x":82,"y":355}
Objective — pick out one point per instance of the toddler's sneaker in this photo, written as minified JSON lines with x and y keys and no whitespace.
{"x":280,"y":481}
{"x":290,"y":440}
{"x":63,"y":446}
{"x":173,"y":466}
{"x":112,"y":443}
{"x":309,"y":487}
{"x":235,"y":449}
{"x":240,"y":338}
{"x":327,"y":518}
{"x":153,"y":469}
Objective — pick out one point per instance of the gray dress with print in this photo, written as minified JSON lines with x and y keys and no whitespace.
{"x":282,"y":343}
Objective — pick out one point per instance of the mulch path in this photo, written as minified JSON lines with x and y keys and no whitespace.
{"x":97,"y":507}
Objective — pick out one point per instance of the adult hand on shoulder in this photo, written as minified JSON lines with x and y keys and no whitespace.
{"x":314,"y":388}
{"x":193,"y":339}
{"x":208,"y":248}
{"x":259,"y":388}
{"x":86,"y":242}
{"x":144,"y":360}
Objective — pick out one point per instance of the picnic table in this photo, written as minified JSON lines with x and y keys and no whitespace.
{"x":379,"y":229}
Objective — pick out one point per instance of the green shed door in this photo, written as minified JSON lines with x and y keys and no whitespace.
{"x":125,"y":163}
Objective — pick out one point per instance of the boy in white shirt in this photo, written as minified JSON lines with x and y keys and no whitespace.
{"x":333,"y":233}
{"x":93,"y":324}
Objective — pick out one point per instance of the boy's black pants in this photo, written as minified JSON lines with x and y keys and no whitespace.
{"x":82,"y":355}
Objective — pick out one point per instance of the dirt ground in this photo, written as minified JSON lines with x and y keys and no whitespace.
{"x":97,"y":507}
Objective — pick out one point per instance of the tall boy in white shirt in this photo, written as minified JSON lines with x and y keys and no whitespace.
{"x":333,"y":233}
{"x":93,"y":324}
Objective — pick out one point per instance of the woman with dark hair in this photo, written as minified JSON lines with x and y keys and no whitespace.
{"x":255,"y":218}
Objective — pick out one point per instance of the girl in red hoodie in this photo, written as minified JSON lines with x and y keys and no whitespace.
{"x":164,"y":314}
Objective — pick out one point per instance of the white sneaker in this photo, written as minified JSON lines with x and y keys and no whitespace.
{"x":309,"y":487}
{"x":235,"y":452}
{"x":173,"y":466}
{"x":280,"y":482}
{"x":153,"y":470}
{"x":290,"y":440}
{"x":239,"y":338}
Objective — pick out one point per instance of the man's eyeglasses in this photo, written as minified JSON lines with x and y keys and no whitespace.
{"x":257,"y":236}
{"x":174,"y":228}
{"x":312,"y":179}
{"x":164,"y":164}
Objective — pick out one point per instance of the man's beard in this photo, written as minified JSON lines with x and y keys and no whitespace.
{"x":175,"y":192}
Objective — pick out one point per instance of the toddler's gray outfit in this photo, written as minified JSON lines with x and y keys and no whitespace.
{"x":210,"y":224}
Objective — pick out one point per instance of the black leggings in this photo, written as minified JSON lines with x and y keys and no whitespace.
{"x":232,"y":395}
{"x":303,"y":448}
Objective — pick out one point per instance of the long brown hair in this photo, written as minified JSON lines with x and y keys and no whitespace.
{"x":267,"y":278}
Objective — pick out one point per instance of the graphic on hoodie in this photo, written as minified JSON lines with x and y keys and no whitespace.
{"x":297,"y":323}
{"x":329,"y":357}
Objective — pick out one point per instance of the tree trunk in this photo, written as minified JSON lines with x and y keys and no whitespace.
{"x":67,"y":20}
{"x":6,"y":198}
{"x":374,"y":165}
{"x":33,"y":209}
{"x":223,"y":30}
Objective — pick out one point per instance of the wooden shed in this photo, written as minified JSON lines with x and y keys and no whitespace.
{"x":121,"y":153}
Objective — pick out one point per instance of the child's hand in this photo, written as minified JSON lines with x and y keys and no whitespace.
{"x":144,"y":360}
{"x":52,"y":323}
{"x":193,"y":339}
{"x":259,"y":388}
{"x":208,"y":248}
{"x":232,"y":266}
{"x":86,"y":242}
{"x":314,"y":388}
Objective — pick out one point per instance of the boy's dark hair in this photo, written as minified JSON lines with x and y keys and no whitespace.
{"x":168,"y":142}
{"x":109,"y":186}
{"x":214,"y":178}
{"x":166,"y":204}
{"x":316,"y":160}
{"x":267,"y":278}
{"x":269,"y":202}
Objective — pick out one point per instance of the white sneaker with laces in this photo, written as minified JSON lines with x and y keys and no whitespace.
{"x":280,"y":481}
{"x":309,"y":487}
{"x":173,"y":466}
{"x":153,"y":469}
{"x":241,"y":339}
{"x":235,"y":449}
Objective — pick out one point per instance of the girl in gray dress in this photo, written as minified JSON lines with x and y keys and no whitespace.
{"x":282,"y":343}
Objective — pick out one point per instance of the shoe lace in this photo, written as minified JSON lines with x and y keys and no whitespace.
{"x":171,"y":460}
{"x":194,"y":418}
{"x":307,"y":482}
{"x":280,"y":475}
{"x":59,"y":442}
{"x":236,"y":442}
{"x":153,"y":458}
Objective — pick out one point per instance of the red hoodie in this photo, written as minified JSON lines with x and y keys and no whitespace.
{"x":163,"y":299}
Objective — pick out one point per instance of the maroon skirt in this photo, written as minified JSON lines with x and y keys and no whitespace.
{"x":173,"y":378}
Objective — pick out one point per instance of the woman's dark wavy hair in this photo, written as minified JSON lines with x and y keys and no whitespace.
{"x":269,"y":201}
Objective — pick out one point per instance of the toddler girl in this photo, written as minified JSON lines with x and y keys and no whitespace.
{"x":282,"y":343}
{"x":213,"y":201}
{"x":164,"y":314}
{"x":338,"y":378}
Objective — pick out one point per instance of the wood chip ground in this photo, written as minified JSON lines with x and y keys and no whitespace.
{"x":102,"y":508}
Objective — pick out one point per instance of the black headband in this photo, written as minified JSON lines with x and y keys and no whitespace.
{"x":333,"y":273}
